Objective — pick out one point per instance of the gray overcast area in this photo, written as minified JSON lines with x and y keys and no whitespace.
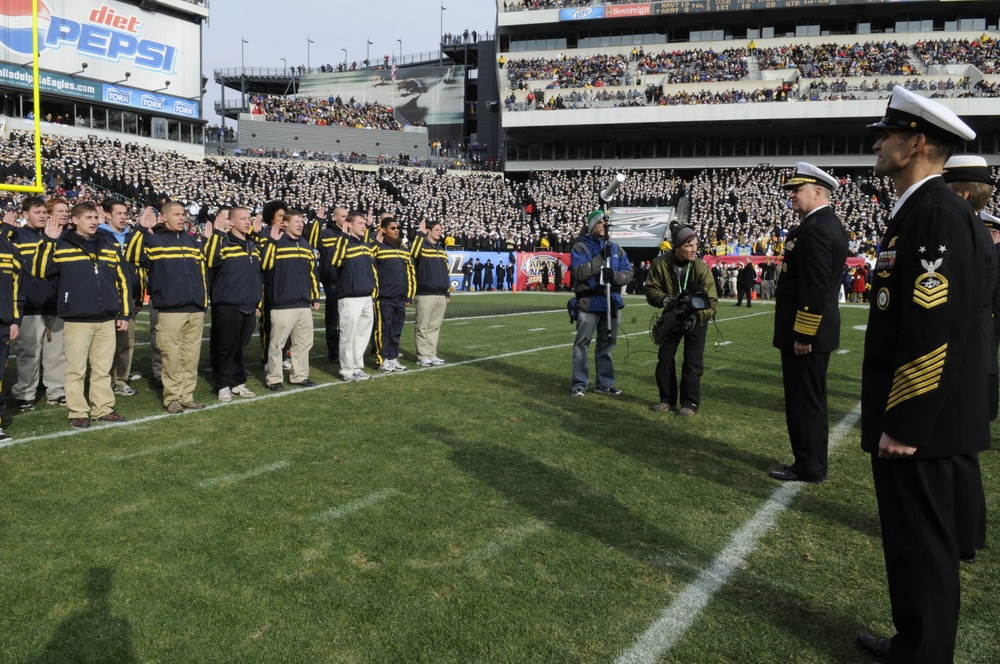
{"x":279,"y":29}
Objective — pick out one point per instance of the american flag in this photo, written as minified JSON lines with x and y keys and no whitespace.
{"x":393,"y":72}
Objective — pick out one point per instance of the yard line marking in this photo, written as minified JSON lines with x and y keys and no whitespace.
{"x":492,"y":327}
{"x":159,"y":448}
{"x":357,"y":505}
{"x":287,"y":393}
{"x":718,"y":368}
{"x":538,"y":329}
{"x":509,"y":538}
{"x":843,"y":351}
{"x":675,"y":620}
{"x":239,"y":477}
{"x":723,"y":343}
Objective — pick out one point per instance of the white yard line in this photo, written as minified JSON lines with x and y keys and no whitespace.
{"x":157,"y":449}
{"x":675,"y":620}
{"x":239,"y":477}
{"x":511,"y":537}
{"x":357,"y":505}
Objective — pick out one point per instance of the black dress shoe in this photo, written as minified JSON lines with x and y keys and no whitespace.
{"x":305,"y":383}
{"x":275,"y":387}
{"x":786,"y":474}
{"x":876,"y":645}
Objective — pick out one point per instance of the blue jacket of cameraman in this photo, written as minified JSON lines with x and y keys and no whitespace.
{"x":587,"y":264}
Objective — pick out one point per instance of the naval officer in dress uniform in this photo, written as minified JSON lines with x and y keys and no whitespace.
{"x":923,"y":388}
{"x":807,"y":318}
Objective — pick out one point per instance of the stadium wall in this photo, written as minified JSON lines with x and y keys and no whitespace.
{"x":255,"y":134}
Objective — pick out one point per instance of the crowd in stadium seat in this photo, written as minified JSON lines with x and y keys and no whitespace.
{"x":575,"y":72}
{"x":696,"y":65}
{"x":480,"y":210}
{"x":983,"y":53}
{"x":837,"y":60}
{"x":333,"y":111}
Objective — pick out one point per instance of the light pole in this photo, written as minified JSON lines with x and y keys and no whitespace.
{"x":400,"y":50}
{"x":243,"y":72}
{"x":345,"y":58}
{"x":284,"y":62}
{"x":441,"y":32}
{"x":308,"y":65}
{"x":368,"y":52}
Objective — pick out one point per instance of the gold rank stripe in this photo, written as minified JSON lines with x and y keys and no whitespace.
{"x":929,"y":300}
{"x":917,"y":377}
{"x":806,"y":323}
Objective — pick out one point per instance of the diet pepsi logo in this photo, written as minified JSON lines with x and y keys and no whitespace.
{"x":153,"y":102}
{"x":15,"y":31}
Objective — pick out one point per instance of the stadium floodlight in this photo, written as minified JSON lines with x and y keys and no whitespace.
{"x":128,"y":75}
{"x":38,"y":187}
{"x":83,"y":68}
{"x":166,"y":84}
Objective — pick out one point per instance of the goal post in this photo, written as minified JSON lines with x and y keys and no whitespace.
{"x":38,"y":187}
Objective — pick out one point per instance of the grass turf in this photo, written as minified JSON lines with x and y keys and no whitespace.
{"x":473,"y":512}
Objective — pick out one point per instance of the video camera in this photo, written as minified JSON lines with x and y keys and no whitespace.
{"x":679,"y":317}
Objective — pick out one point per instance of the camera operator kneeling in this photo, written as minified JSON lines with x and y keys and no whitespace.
{"x":679,"y":282}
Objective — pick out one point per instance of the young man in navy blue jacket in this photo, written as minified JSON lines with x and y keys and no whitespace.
{"x":93,"y":301}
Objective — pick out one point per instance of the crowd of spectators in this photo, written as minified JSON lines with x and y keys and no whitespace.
{"x":332,"y":111}
{"x":696,"y":66}
{"x":485,"y":211}
{"x":576,"y":72}
{"x":840,"y":60}
{"x":983,"y":53}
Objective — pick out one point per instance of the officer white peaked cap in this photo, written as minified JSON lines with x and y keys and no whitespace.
{"x":808,"y":174}
{"x":967,"y":168}
{"x":908,"y":111}
{"x":990,"y":220}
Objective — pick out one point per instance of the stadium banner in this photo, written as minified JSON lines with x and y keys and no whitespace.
{"x":432,"y":94}
{"x":529,"y":269}
{"x":111,"y":38}
{"x":149,"y":101}
{"x":582,"y":14}
{"x":457,"y":258}
{"x":19,"y":77}
{"x":641,"y":227}
{"x":852,"y":261}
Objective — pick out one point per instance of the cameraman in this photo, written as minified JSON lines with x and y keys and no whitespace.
{"x":672,"y":274}
{"x":588,"y":263}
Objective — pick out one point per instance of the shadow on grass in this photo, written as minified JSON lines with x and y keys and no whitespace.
{"x":92,"y":634}
{"x":562,"y":501}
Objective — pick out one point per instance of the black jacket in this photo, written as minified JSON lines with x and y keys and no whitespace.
{"x":431,"y":262}
{"x":235,"y":266}
{"x":39,"y":295}
{"x":396,"y":277}
{"x":175,"y":269}
{"x":91,"y":285}
{"x":923,"y":377}
{"x":290,"y":274}
{"x":354,"y":261}
{"x":806,"y":306}
{"x":12,"y":269}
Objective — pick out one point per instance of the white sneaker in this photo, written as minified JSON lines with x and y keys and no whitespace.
{"x":397,"y":366}
{"x":286,"y":364}
{"x":386,"y":367}
{"x":425,"y":363}
{"x":436,"y":360}
{"x":348,"y":377}
{"x":360,"y":375}
{"x":225,"y":394}
{"x":243,"y":391}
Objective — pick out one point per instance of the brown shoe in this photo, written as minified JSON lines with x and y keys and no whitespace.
{"x":663,"y":407}
{"x":685,"y":412}
{"x":192,"y":405}
{"x":175,"y":408}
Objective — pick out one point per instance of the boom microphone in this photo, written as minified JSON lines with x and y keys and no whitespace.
{"x":609,"y":193}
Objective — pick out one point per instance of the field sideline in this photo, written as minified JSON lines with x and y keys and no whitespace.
{"x":473,"y":512}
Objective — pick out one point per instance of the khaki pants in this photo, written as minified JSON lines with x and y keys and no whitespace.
{"x":90,"y":344}
{"x":297,"y":324}
{"x":355,"y":319}
{"x":121,"y":368}
{"x":430,"y":313}
{"x":179,"y":338}
{"x":41,"y":357}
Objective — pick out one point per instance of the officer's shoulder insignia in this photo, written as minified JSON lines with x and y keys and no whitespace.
{"x":930,"y":289}
{"x":892,"y":242}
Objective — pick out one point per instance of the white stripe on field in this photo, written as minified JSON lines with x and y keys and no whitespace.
{"x":843,"y":351}
{"x":493,"y":327}
{"x":239,"y":477}
{"x":722,"y":343}
{"x":509,"y":538}
{"x":357,"y":505}
{"x":675,"y":620}
{"x":156,"y":450}
{"x":538,"y":329}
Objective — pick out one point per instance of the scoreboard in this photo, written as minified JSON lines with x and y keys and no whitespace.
{"x":671,"y":7}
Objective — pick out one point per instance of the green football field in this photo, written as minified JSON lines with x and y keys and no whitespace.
{"x":472,"y":512}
